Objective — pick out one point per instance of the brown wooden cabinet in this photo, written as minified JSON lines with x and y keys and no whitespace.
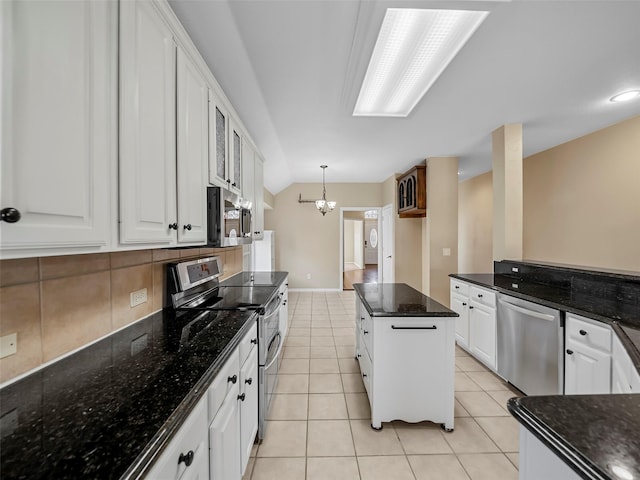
{"x":412,"y":193}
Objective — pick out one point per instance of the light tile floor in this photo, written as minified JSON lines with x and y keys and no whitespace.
{"x":319,"y":426}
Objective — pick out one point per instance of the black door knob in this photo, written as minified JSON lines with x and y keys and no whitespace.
{"x":187,"y":226}
{"x":10,"y":215}
{"x":232,"y":379}
{"x":187,"y":459}
{"x":241,"y":397}
{"x":173,"y":226}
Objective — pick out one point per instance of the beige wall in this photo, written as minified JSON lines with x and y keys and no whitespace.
{"x":475,"y":235}
{"x":440,"y":227}
{"x":582,"y":200}
{"x":59,"y":304}
{"x":348,"y":231}
{"x":307,"y":242}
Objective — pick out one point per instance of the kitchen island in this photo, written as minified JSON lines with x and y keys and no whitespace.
{"x":405,"y":346}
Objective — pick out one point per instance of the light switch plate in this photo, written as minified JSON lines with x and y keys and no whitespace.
{"x":8,"y":345}
{"x":446,"y":252}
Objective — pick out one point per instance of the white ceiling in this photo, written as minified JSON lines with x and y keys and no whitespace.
{"x":293,"y":69}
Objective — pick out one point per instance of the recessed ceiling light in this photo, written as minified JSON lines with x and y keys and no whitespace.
{"x":623,"y":97}
{"x":413,"y":48}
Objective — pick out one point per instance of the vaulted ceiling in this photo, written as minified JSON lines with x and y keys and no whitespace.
{"x":292,"y":69}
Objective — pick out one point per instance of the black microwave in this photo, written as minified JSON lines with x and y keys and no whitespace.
{"x":228,"y":222}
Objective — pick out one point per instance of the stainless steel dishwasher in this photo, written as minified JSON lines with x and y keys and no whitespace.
{"x":530,"y":346}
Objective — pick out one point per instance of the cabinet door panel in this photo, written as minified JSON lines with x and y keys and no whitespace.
{"x":147,"y":174}
{"x":248,"y":407}
{"x":460,"y":306}
{"x":192,"y":151}
{"x":587,"y":371}
{"x":224,"y":440}
{"x":258,"y":217}
{"x":58,"y":122}
{"x":234,"y":179}
{"x":482,"y":334}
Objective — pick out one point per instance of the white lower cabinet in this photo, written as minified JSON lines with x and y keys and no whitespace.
{"x":407,"y":366}
{"x":587,"y":359}
{"x":248,"y":407}
{"x":284,"y":307}
{"x":185,"y":457}
{"x":224,"y":439}
{"x":624,"y":375}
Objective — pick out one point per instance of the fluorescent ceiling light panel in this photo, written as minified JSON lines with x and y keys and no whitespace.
{"x":413,"y":48}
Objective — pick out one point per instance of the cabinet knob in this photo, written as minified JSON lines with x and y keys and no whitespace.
{"x":10,"y":215}
{"x":248,"y":381}
{"x":365,"y":331}
{"x":233,"y":184}
{"x":470,"y":307}
{"x":479,"y":295}
{"x":232,"y":379}
{"x":364,"y":375}
{"x":583,"y":332}
{"x":254,"y":341}
{"x":173,"y":226}
{"x":257,"y":233}
{"x":187,"y":226}
{"x":359,"y":356}
{"x":361,"y":318}
{"x":187,"y":459}
{"x":457,"y":287}
{"x":464,"y":304}
{"x":569,"y":352}
{"x":241,"y":397}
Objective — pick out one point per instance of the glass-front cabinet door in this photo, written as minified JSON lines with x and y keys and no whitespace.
{"x":218,"y":141}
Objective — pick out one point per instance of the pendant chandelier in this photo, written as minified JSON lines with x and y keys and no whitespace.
{"x":323,"y":205}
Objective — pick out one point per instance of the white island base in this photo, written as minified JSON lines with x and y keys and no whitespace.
{"x":407,"y":365}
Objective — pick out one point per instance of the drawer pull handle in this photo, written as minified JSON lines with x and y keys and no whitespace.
{"x":241,"y":397}
{"x":187,"y":459}
{"x":569,"y":352}
{"x":248,"y":381}
{"x":232,"y":379}
{"x":254,"y":341}
{"x":583,"y":332}
{"x":432,"y":327}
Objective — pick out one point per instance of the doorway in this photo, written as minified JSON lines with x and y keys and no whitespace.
{"x":360,"y":246}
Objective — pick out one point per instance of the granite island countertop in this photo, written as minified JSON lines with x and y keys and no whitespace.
{"x":108,"y":410}
{"x":593,"y":434}
{"x":399,"y":300}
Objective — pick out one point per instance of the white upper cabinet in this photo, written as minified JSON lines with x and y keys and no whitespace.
{"x":147,"y":126}
{"x":59,"y":118}
{"x":234,"y":173}
{"x":192,"y":123}
{"x":258,"y":199}
{"x":248,"y":155}
{"x":218,"y":141}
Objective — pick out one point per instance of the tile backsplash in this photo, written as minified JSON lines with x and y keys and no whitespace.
{"x":58,"y":304}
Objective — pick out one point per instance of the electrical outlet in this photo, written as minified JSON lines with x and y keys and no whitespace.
{"x":8,"y":345}
{"x":138,"y":297}
{"x":308,"y":276}
{"x":446,"y":252}
{"x":514,"y":269}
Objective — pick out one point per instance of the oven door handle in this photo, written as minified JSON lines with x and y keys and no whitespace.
{"x":280,"y":347}
{"x":273,"y":310}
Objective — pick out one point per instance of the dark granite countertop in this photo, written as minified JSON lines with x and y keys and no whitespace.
{"x":624,"y":318}
{"x":593,"y":434}
{"x":248,"y":279}
{"x":110,"y":409}
{"x":398,"y":300}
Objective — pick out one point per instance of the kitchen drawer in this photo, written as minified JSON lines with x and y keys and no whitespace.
{"x":226,"y":378}
{"x":248,"y":343}
{"x":589,"y":332}
{"x":484,"y":296}
{"x":460,"y":288}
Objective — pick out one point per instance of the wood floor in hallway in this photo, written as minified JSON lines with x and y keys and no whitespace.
{"x":353,"y":274}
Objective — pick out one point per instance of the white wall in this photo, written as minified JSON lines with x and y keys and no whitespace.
{"x":358,"y":243}
{"x":348,"y":241}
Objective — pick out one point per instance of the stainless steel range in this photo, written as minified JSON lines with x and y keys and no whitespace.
{"x":194,"y":288}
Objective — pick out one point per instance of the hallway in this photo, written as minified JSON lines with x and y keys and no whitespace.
{"x":352,"y":274}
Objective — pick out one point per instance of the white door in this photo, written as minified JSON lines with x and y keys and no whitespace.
{"x":248,"y":407}
{"x":192,"y":162}
{"x":459,"y":305}
{"x":587,"y":371}
{"x":147,"y":175}
{"x":388,"y":245}
{"x":218,"y":141}
{"x":371,"y":242}
{"x":358,"y":243}
{"x":59,"y":104}
{"x":224,"y":439}
{"x":482,"y":334}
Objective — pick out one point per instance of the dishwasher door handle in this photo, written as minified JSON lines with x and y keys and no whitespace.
{"x":526,"y":311}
